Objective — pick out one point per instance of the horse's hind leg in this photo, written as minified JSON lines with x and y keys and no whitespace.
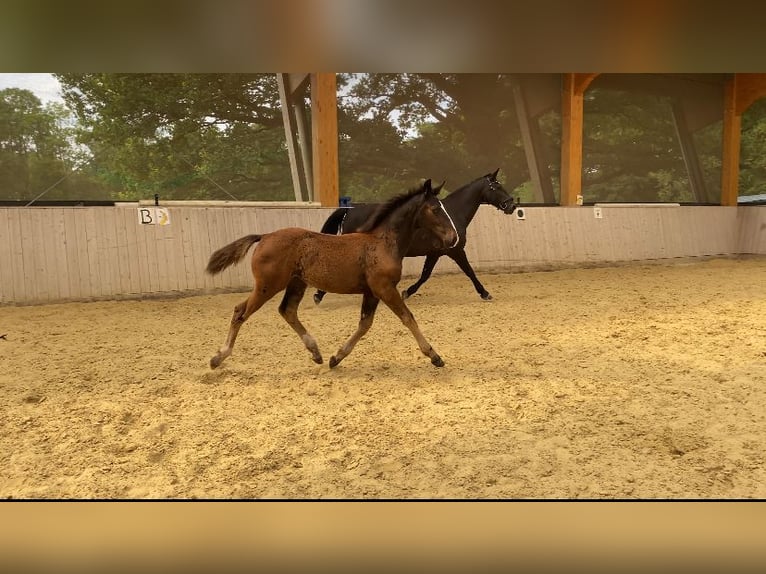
{"x":241,"y":313}
{"x":390,"y":296}
{"x":369,"y":304}
{"x":288,"y":308}
{"x":318,"y":296}
{"x":459,"y":257}
{"x":428,"y":267}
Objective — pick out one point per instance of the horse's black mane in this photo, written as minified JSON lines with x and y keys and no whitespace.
{"x":470,"y":183}
{"x":386,"y":209}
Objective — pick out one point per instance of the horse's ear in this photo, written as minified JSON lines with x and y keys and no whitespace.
{"x":494,"y":175}
{"x":438,"y":188}
{"x":427,"y":185}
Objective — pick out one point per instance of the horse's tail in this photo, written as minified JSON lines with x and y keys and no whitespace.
{"x":332,"y":225}
{"x":230,"y":254}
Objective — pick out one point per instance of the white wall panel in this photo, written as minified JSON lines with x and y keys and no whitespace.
{"x":52,"y":254}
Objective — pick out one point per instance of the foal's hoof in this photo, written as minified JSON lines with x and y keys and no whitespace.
{"x":437,"y":361}
{"x":318,"y":360}
{"x":486,"y":297}
{"x":317,"y":298}
{"x":215,"y":361}
{"x":333,"y":361}
{"x":405,"y":294}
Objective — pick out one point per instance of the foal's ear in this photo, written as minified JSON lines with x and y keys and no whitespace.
{"x":438,"y":188}
{"x":427,"y":185}
{"x":494,"y":175}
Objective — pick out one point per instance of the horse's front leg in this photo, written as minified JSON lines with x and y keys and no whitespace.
{"x":288,"y":308}
{"x":390,"y":296}
{"x":369,"y":305}
{"x":428,"y":268}
{"x":459,"y":257}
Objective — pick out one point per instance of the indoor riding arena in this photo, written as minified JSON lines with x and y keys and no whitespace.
{"x":639,"y":379}
{"x":622,"y":355}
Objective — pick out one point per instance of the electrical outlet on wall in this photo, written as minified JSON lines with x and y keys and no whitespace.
{"x":597,"y":213}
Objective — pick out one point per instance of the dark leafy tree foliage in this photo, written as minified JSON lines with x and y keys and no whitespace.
{"x":220,"y":136}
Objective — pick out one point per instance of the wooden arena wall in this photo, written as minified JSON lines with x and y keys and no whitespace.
{"x":752,"y":230}
{"x":53,"y":254}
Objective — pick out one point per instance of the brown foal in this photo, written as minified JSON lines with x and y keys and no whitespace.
{"x":367,"y":262}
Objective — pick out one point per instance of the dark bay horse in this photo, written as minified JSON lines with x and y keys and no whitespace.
{"x":367,"y":262}
{"x":462,"y":205}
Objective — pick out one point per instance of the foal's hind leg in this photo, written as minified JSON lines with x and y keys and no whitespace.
{"x":428,"y":267}
{"x":390,"y":296}
{"x":369,"y":304}
{"x":241,"y":313}
{"x":288,"y":308}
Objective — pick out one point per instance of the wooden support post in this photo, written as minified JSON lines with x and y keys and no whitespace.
{"x":573,"y":88}
{"x":533,"y":149}
{"x":740,"y":92}
{"x":689,"y":152}
{"x":732,"y":122}
{"x":304,"y":137}
{"x":297,"y":167}
{"x":324,"y":138}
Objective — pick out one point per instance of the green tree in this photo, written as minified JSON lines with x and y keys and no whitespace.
{"x":183,"y":136}
{"x":452,"y":126}
{"x":220,"y":135}
{"x":211,"y":135}
{"x":631,"y":151}
{"x":35,"y":147}
{"x":752,"y":175}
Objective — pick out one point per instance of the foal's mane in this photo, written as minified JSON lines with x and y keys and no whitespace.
{"x":385,"y":210}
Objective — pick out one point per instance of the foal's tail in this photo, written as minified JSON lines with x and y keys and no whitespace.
{"x":230,"y":254}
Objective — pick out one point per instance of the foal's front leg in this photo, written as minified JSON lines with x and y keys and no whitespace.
{"x":369,"y":304}
{"x":390,"y":296}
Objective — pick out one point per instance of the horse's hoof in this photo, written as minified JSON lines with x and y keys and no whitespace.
{"x":215,"y":361}
{"x":437,"y":361}
{"x":487,"y":297}
{"x":318,"y":360}
{"x":333,"y":361}
{"x":405,"y":294}
{"x":317,"y":299}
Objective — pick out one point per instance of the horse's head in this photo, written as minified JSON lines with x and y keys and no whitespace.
{"x":433,"y":217}
{"x":495,"y":194}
